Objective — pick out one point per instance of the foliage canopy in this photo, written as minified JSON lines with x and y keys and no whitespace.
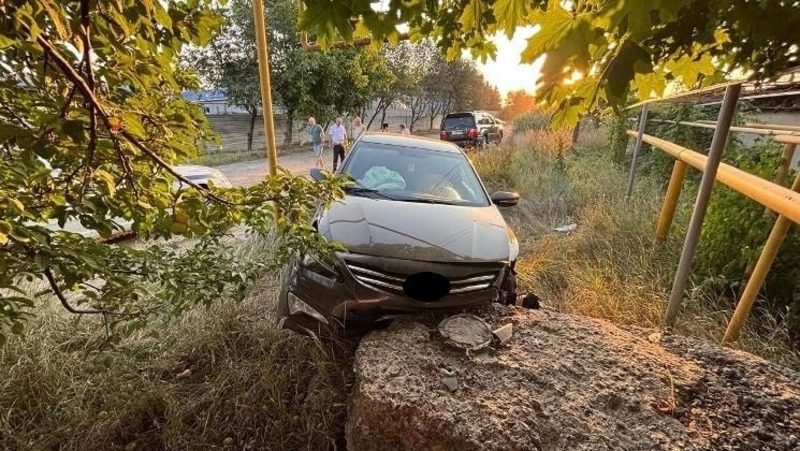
{"x":92,"y":122}
{"x":617,"y":45}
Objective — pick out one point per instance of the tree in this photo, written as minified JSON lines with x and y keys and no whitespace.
{"x":230,"y":61}
{"x":617,"y":45}
{"x":305,"y":83}
{"x":518,"y":103}
{"x":92,"y":123}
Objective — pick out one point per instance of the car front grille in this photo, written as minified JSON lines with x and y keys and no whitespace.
{"x":394,"y":282}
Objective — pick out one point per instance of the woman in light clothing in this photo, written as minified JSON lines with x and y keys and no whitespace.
{"x":358,"y":128}
{"x":315,"y":134}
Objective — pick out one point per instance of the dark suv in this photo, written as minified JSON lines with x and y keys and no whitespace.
{"x":472,"y":129}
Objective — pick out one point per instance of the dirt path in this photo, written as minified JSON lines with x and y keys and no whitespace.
{"x":245,"y":173}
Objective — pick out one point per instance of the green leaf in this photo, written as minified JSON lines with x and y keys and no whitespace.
{"x":561,"y":34}
{"x":470,"y":17}
{"x":510,"y":14}
{"x":649,"y":85}
{"x":162,"y":16}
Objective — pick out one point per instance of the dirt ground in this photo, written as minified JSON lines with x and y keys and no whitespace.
{"x":567,"y":382}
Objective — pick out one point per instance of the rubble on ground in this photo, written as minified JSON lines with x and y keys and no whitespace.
{"x":564,"y":382}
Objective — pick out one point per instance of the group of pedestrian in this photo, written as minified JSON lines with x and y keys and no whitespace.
{"x":338,"y":137}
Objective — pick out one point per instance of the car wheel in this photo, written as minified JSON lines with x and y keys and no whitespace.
{"x":508,"y":289}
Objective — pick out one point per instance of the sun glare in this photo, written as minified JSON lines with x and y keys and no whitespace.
{"x":506,"y":72}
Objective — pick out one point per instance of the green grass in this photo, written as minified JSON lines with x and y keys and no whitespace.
{"x":227,"y":157}
{"x":609,"y":267}
{"x":222,"y":377}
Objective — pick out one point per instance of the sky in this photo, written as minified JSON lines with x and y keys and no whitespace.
{"x":505,"y":71}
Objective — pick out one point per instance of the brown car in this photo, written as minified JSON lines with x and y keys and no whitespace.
{"x":421,"y":233}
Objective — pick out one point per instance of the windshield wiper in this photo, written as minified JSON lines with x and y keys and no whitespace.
{"x":364,"y":190}
{"x":423,"y":200}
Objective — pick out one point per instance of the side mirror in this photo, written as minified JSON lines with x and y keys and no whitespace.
{"x":505,"y":198}
{"x":316,"y":174}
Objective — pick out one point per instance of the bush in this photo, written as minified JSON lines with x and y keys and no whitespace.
{"x":218,"y":377}
{"x":734,"y":230}
{"x":608,"y":267}
{"x":532,"y":121}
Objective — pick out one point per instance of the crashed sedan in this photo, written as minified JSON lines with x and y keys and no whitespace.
{"x":420,"y":231}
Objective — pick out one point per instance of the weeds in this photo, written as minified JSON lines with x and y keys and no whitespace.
{"x":609,"y":266}
{"x":218,"y":377}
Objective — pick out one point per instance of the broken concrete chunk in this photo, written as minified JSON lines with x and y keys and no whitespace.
{"x":449,"y":379}
{"x":504,"y":333}
{"x":466,"y":331}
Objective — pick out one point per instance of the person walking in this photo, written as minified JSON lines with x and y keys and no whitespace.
{"x":338,"y":136}
{"x":404,"y":130}
{"x":315,"y":133}
{"x":358,"y":128}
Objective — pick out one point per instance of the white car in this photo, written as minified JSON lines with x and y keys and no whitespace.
{"x":201,"y":175}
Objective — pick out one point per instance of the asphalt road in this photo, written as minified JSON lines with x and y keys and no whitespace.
{"x":246,"y":173}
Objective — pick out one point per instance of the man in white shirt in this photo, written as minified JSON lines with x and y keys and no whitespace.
{"x":338,"y":136}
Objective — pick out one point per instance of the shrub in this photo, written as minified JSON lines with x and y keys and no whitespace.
{"x":736,"y":227}
{"x":608,"y":267}
{"x":532,"y":121}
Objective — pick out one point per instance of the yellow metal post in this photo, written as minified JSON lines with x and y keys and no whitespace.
{"x":266,"y":90}
{"x":670,"y":200}
{"x":780,"y":178}
{"x":760,"y":271}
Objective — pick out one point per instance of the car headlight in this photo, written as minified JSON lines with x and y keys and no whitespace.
{"x":319,"y":266}
{"x":297,"y":305}
{"x":513,"y":249}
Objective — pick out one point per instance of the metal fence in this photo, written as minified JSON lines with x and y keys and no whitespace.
{"x":771,"y":194}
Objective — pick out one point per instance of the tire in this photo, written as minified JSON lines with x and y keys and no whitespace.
{"x":484,"y":142}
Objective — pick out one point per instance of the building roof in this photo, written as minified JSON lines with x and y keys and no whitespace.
{"x":785,"y":85}
{"x":211,"y":95}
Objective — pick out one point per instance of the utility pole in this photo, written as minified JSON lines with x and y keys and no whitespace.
{"x":266,"y":89}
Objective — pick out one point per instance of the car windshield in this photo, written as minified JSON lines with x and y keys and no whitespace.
{"x":461,"y":121}
{"x":414,"y":175}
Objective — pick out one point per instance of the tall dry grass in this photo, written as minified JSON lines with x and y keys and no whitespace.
{"x":223,"y":377}
{"x":609,"y":267}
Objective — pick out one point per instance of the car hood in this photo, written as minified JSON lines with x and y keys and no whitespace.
{"x":419,"y":231}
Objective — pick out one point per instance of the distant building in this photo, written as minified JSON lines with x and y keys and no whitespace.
{"x":215,"y":102}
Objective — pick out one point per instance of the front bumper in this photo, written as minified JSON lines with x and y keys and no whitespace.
{"x":355,"y":297}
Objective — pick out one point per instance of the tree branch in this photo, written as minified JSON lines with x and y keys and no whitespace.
{"x":48,"y":273}
{"x":88,"y":94}
{"x":87,"y":64}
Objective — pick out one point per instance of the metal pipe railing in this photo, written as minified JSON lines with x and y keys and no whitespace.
{"x":710,"y":167}
{"x":751,"y":130}
{"x":777,"y":198}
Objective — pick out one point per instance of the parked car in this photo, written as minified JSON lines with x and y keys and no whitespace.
{"x":472,"y":129}
{"x":202,"y":175}
{"x":420,"y":233}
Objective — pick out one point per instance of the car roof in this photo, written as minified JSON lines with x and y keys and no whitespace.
{"x":464,"y":113}
{"x":419,"y":142}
